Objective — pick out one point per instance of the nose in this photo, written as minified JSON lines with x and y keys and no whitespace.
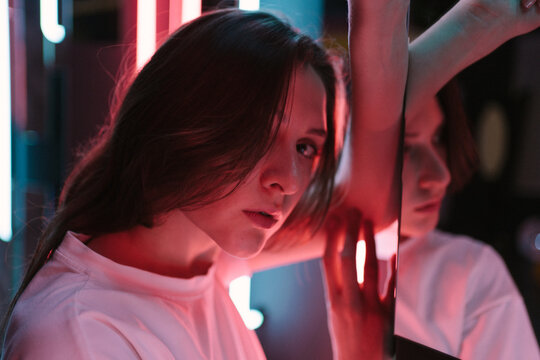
{"x":434,"y":170}
{"x":281,"y":172}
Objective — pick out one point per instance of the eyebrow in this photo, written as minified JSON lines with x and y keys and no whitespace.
{"x":318,"y":132}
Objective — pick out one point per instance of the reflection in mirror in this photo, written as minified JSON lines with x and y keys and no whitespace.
{"x":466,"y":297}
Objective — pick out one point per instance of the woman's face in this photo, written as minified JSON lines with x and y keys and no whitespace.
{"x":425,"y":171}
{"x":242,"y":222}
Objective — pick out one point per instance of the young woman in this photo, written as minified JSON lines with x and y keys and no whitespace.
{"x":454,"y":293}
{"x":213,"y":147}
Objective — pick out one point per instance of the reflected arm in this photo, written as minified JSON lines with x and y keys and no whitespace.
{"x":468,"y":32}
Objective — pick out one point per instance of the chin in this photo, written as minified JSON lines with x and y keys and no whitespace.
{"x":247,"y":245}
{"x":418,"y":228}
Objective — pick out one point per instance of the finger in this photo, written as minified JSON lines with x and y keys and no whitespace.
{"x":354,"y":219}
{"x":331,"y":257}
{"x":348,"y":255}
{"x":390,"y":296}
{"x":371,"y":267}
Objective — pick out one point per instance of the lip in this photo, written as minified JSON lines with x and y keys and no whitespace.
{"x":260,"y":220}
{"x":428,"y":207}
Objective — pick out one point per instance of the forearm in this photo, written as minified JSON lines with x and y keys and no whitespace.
{"x":379,"y":58}
{"x":378,"y":47}
{"x":468,"y":32}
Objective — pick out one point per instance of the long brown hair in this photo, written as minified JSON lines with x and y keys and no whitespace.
{"x":196,"y":119}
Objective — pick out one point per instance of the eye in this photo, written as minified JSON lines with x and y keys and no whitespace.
{"x":309,"y":151}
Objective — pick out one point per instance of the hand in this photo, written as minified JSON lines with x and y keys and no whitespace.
{"x":509,"y":17}
{"x":359,"y":320}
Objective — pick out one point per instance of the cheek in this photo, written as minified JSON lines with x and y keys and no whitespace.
{"x":308,"y":174}
{"x":315,"y":166}
{"x":409,"y":174}
{"x":305,"y":176}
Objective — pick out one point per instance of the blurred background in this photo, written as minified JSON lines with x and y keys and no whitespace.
{"x":61,"y":61}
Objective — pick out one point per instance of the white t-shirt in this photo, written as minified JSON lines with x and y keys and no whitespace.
{"x":456,"y":295}
{"x":82,"y":305}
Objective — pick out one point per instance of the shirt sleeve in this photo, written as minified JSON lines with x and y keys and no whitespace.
{"x":91,"y":335}
{"x":497,"y":325}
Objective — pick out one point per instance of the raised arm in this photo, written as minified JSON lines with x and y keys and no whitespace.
{"x":359,"y":322}
{"x":378,"y":50}
{"x":378,"y":47}
{"x":469,"y":31}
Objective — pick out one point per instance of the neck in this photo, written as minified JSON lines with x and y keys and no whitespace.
{"x":173,"y":247}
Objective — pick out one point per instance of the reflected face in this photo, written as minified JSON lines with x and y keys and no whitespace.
{"x":242,"y":222}
{"x":425,"y":171}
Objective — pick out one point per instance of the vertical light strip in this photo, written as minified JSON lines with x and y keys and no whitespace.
{"x":146,"y":31}
{"x":191,"y":9}
{"x":252,"y":5}
{"x":240,"y":292}
{"x":48,"y":21}
{"x":5,"y":125}
{"x":175,"y":15}
{"x":360,"y":260}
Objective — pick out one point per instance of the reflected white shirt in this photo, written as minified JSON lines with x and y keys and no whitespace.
{"x":455,"y":295}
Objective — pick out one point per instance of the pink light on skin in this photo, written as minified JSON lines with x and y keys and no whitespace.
{"x":146,"y":31}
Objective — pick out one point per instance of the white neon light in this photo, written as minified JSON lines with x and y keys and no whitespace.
{"x":191,"y":9}
{"x":239,"y":291}
{"x":48,"y":21}
{"x":251,"y":5}
{"x":5,"y":125}
{"x":360,"y":261}
{"x":386,"y":242}
{"x":146,"y":31}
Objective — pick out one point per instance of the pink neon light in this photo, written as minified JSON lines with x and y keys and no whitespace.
{"x":175,"y":15}
{"x":146,"y":31}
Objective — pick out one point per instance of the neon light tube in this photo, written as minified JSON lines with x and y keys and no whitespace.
{"x":175,"y":15}
{"x":146,"y":31}
{"x":191,"y":9}
{"x":360,"y":261}
{"x":5,"y":125}
{"x":239,"y":292}
{"x":48,"y":21}
{"x":251,"y":5}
